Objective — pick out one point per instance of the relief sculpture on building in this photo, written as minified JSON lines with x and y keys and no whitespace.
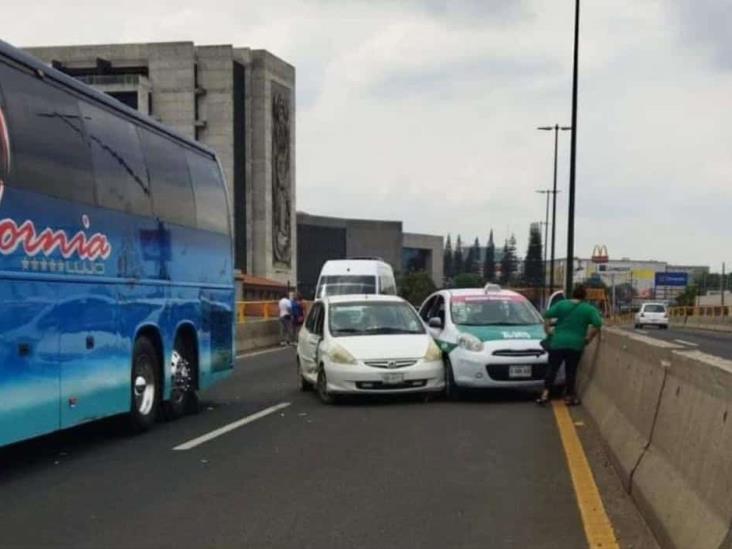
{"x":281,"y":194}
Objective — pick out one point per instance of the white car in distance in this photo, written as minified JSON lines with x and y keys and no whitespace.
{"x":652,"y":314}
{"x":367,"y":344}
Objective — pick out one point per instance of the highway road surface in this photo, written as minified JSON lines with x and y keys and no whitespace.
{"x":264,"y":465}
{"x":714,"y":343}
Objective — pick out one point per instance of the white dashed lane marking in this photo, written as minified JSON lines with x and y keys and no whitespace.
{"x":230,"y":427}
{"x":688,"y":343}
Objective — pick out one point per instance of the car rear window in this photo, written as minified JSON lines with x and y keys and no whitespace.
{"x":346,"y":285}
{"x":654,"y":309}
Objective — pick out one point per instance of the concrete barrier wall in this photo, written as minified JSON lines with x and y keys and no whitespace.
{"x":625,"y":416}
{"x":257,"y":334}
{"x":665,"y":416}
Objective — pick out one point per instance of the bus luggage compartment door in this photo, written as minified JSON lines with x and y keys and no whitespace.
{"x":29,"y":370}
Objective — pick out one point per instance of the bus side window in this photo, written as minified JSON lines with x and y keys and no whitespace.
{"x":212,"y":212}
{"x":49,"y":150}
{"x":119,"y":165}
{"x":172,"y":193}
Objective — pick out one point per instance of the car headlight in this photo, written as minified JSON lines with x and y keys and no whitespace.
{"x":470,"y":342}
{"x":433,"y":352}
{"x":340,"y":355}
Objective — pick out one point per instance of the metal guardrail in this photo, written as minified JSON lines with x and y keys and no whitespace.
{"x":704,"y":311}
{"x":247,"y":311}
{"x":256,"y":310}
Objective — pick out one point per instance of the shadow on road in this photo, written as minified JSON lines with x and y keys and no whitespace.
{"x":28,"y":456}
{"x":467,"y":397}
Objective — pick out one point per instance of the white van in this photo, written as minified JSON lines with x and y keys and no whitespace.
{"x":355,"y":276}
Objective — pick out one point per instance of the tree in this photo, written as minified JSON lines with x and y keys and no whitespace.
{"x":509,"y":262}
{"x":471,"y":261}
{"x":468,"y":280}
{"x":534,"y":263}
{"x":457,"y":262}
{"x":474,"y":263}
{"x":489,"y":266}
{"x":447,"y":260}
{"x":416,"y":287}
{"x":688,"y":297}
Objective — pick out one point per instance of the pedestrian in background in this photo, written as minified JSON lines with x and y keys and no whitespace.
{"x":285,"y":306}
{"x":298,"y":316}
{"x":577,"y":324}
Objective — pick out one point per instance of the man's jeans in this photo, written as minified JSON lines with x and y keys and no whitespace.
{"x":285,"y":329}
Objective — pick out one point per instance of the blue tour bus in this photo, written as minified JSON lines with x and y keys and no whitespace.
{"x":116,"y":268}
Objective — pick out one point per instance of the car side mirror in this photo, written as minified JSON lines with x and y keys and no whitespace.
{"x":435,"y":322}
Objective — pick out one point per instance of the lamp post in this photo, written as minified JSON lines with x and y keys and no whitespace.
{"x":556,"y":128}
{"x":569,"y":282}
{"x":547,"y":192}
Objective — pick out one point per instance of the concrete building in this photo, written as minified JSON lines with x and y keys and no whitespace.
{"x":321,"y":238}
{"x":423,"y":252}
{"x":714,"y":298}
{"x":238,"y":101}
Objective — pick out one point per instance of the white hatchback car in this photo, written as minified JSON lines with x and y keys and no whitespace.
{"x":367,"y":344}
{"x":652,"y":314}
{"x":490,"y":338}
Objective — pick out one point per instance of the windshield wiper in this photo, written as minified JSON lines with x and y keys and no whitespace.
{"x":386,"y":330}
{"x":499,"y":323}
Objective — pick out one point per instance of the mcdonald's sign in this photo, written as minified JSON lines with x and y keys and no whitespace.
{"x":599,"y":254}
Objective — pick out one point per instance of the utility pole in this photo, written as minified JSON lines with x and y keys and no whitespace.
{"x":723,"y":284}
{"x":569,"y":282}
{"x":631,"y":289}
{"x":612,"y":283}
{"x":547,"y":192}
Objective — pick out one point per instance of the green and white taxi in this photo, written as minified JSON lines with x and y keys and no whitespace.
{"x":489,"y":337}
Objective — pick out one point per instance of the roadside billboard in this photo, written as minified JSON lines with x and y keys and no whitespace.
{"x":678,"y":279}
{"x":644,"y":283}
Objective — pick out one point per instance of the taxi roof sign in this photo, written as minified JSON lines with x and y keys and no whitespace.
{"x":490,"y":287}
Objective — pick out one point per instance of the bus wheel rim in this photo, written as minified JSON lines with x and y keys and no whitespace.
{"x":144,"y":388}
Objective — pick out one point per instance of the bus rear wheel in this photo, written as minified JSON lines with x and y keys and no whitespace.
{"x":183,"y":395}
{"x":145,"y":388}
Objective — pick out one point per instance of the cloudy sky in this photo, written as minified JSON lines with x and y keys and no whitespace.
{"x":425,"y":111}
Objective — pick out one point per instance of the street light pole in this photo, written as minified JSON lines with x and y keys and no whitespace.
{"x":569,"y":282}
{"x":555,"y":128}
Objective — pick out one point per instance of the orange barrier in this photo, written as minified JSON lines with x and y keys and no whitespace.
{"x":260,"y":310}
{"x":708,"y":311}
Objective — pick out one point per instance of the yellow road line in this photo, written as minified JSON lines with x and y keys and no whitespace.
{"x":598,"y":529}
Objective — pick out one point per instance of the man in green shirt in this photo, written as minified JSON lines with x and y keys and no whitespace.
{"x":568,"y":337}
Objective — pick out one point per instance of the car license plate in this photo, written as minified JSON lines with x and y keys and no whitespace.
{"x":519,"y":371}
{"x":393,"y":379}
